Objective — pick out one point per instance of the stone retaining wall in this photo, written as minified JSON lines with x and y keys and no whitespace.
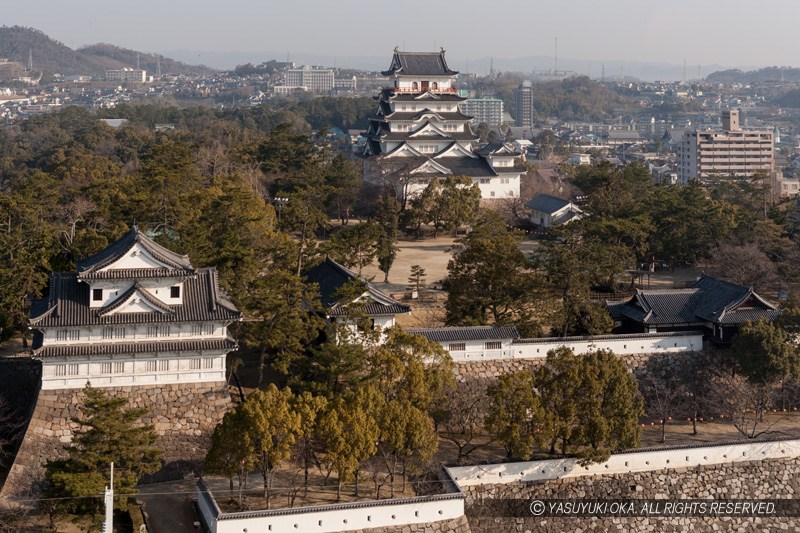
{"x":490,"y":370}
{"x":183,"y":416}
{"x":768,"y":479}
{"x":457,"y":525}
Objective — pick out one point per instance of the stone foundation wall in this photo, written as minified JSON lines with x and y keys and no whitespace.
{"x":457,"y":525}
{"x":768,"y":479}
{"x":489,"y":370}
{"x":19,"y":386}
{"x":183,"y":416}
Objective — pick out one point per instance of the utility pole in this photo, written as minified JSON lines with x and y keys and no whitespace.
{"x":108,"y":499}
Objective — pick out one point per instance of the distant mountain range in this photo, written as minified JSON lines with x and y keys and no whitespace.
{"x":19,"y":44}
{"x":613,"y":69}
{"x":774,"y":74}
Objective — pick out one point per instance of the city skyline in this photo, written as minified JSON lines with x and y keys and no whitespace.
{"x":680,"y":32}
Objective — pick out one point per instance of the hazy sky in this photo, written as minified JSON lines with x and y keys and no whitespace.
{"x":729,"y":32}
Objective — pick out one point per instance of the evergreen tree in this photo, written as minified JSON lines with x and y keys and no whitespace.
{"x":230,"y":455}
{"x":764,"y":352}
{"x":490,"y":280}
{"x":271,"y":426}
{"x":387,"y":219}
{"x":416,"y":281}
{"x":515,"y":414}
{"x":108,"y":433}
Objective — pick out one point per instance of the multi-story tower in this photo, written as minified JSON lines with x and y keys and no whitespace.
{"x":133,"y":314}
{"x":726,"y":152}
{"x":523,"y":104}
{"x":418,"y":133}
{"x":488,"y":110}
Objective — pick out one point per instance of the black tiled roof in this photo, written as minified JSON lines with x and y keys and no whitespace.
{"x":406,"y":97}
{"x":410,"y":136}
{"x":138,"y":273}
{"x":119,"y":348}
{"x":467,"y":166}
{"x":330,"y":276}
{"x":498,"y":149}
{"x":416,"y":115}
{"x":68,"y":304}
{"x":419,"y":64}
{"x":708,"y":300}
{"x":546,"y":203}
{"x":469,"y":333}
{"x":88,"y":268}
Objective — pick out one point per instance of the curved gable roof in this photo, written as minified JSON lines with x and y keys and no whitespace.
{"x":418,"y":64}
{"x":177,"y":264}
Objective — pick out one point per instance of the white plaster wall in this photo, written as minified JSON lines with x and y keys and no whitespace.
{"x":138,"y":332}
{"x":346,"y":517}
{"x":619,"y":344}
{"x":476,"y":350}
{"x":159,"y":288}
{"x":66,"y":373}
{"x":496,"y":189}
{"x":621,"y":463}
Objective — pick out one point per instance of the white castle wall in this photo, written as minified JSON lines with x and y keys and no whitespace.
{"x":622,"y":463}
{"x":331,"y":518}
{"x":633,"y":344}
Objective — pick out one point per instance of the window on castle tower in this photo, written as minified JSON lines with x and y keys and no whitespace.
{"x":152,"y":331}
{"x":61,"y":370}
{"x":175,"y":292}
{"x":151,"y":366}
{"x":97,"y":294}
{"x":73,"y":369}
{"x":119,"y":367}
{"x":163,"y":365}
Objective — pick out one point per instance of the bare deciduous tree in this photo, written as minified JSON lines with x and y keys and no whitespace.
{"x":745,"y":402}
{"x":466,"y":408}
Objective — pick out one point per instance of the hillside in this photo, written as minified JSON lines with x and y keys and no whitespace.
{"x":755,"y":76}
{"x":50,"y":56}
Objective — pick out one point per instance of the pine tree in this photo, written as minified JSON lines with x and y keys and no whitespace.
{"x":230,"y":455}
{"x":515,"y":413}
{"x":271,"y":428}
{"x":108,"y":433}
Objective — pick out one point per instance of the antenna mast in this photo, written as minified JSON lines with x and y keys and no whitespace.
{"x":555,"y":70}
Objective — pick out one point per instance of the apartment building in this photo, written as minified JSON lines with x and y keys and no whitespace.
{"x":314,"y":79}
{"x":488,"y":110}
{"x":729,"y":151}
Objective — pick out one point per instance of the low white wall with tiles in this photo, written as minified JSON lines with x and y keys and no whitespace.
{"x":621,"y":463}
{"x":633,"y":344}
{"x":332,"y":518}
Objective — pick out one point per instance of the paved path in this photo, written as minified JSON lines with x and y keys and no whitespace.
{"x":169,"y":506}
